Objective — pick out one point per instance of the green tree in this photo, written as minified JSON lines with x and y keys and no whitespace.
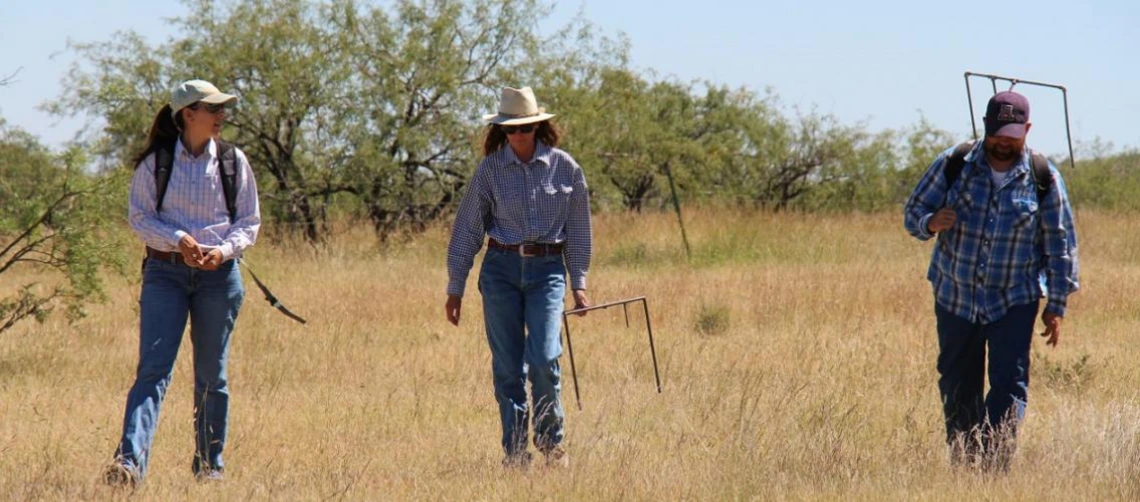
{"x":1109,"y":181}
{"x":879,"y":170}
{"x":53,"y":227}
{"x":427,"y":72}
{"x":341,"y":101}
{"x":634,"y":131}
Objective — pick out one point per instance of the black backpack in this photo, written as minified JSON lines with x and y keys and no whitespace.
{"x":164,"y":162}
{"x":1038,"y":168}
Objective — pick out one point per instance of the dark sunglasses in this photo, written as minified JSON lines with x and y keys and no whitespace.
{"x":210,"y":107}
{"x":525,"y":129}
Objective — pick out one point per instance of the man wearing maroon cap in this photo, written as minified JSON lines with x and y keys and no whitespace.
{"x":1004,"y":230}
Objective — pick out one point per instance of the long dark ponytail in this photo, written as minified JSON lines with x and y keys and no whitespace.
{"x":165,"y":129}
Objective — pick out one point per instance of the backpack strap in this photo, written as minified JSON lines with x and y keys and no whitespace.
{"x":1042,"y":175}
{"x":163,"y":163}
{"x":952,"y":168}
{"x":228,"y":159}
{"x":1039,"y":168}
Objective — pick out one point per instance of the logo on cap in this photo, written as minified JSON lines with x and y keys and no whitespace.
{"x":1006,"y":114}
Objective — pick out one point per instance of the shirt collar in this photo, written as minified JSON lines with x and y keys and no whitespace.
{"x":542,"y":153}
{"x":180,"y":149}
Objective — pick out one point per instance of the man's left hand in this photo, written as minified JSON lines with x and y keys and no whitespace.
{"x":1052,"y":327}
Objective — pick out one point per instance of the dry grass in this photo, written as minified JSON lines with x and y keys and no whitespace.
{"x":797,"y":354}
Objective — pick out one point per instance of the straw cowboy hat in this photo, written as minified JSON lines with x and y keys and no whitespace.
{"x":517,"y":107}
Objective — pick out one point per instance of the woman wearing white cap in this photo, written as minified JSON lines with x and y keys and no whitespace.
{"x":531,"y":199}
{"x":193,"y":202}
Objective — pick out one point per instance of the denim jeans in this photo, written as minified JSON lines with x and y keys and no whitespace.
{"x":522,"y":308}
{"x":170,"y":293}
{"x":975,"y":427}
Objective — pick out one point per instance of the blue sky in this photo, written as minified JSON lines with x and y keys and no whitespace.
{"x":882,"y":63}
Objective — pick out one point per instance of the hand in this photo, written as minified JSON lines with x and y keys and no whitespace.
{"x":942,"y":220}
{"x":452,"y":308}
{"x":581,"y":301}
{"x":211,"y":260}
{"x":191,"y":253}
{"x":1052,"y":327}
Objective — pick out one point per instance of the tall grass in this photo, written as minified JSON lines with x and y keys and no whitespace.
{"x":815,"y":379}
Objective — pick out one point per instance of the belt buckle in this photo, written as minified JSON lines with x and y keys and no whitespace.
{"x":523,"y":253}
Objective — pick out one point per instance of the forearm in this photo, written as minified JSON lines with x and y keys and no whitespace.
{"x":579,"y":243}
{"x":1062,"y":263}
{"x":241,"y":236}
{"x":928,"y":197}
{"x":142,"y":214}
{"x":1061,"y":270}
{"x":460,"y":258}
{"x":242,"y":233}
{"x":151,"y":229}
{"x":578,"y":266}
{"x":918,"y":225}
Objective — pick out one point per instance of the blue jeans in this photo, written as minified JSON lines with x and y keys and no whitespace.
{"x":525,"y":293}
{"x":170,"y":293}
{"x":975,"y":427}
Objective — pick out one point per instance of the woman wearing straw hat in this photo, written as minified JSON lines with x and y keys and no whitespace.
{"x":530,"y":199}
{"x":192,"y":240}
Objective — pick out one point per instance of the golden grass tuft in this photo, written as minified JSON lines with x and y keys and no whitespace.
{"x":797,"y":353}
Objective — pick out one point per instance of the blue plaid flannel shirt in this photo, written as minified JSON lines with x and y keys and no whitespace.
{"x":542,"y":201}
{"x":1004,"y":240}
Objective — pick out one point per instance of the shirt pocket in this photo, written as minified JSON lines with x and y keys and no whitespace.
{"x":1024,"y":212}
{"x":558,"y":191}
{"x":556,"y":198}
{"x":510,"y":202}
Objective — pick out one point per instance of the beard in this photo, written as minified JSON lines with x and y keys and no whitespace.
{"x":1002,"y":153}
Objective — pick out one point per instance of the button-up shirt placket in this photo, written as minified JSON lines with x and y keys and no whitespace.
{"x":989,"y":230}
{"x":529,"y":199}
{"x":984,"y":265}
{"x":548,"y":202}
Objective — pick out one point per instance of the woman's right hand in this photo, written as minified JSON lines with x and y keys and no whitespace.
{"x":453,"y":306}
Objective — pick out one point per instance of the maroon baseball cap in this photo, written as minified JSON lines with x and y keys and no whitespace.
{"x":1006,"y":115}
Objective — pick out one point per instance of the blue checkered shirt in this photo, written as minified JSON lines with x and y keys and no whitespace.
{"x":1004,"y":240}
{"x":541,"y":201}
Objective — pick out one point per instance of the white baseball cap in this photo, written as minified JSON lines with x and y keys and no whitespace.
{"x":193,"y":91}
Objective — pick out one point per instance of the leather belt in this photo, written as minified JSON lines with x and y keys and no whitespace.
{"x":167,"y":256}
{"x":527,"y":249}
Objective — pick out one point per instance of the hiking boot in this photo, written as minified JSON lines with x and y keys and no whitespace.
{"x":120,"y":474}
{"x":557,"y":457}
{"x":209,"y":475}
{"x":520,"y":461}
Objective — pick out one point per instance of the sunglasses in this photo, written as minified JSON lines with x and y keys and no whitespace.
{"x":525,"y":129}
{"x":210,"y":107}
